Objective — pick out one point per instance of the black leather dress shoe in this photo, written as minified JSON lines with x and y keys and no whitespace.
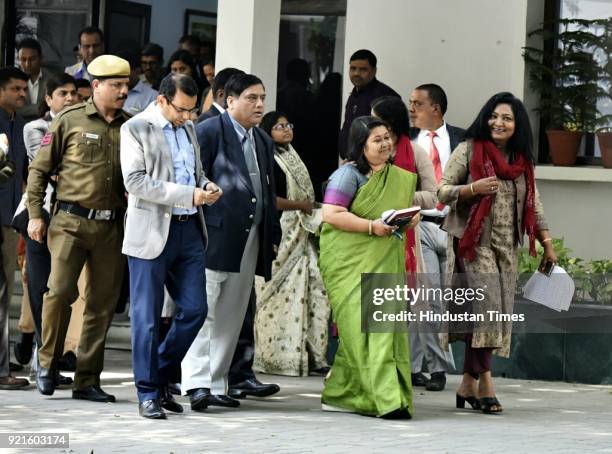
{"x":437,"y":382}
{"x":67,"y":362}
{"x":166,"y":400}
{"x":252,"y":387}
{"x":23,"y":348}
{"x":93,"y":393}
{"x":419,"y":379}
{"x":198,"y":398}
{"x":61,"y":380}
{"x":45,"y":381}
{"x":151,"y":409}
{"x":221,"y":400}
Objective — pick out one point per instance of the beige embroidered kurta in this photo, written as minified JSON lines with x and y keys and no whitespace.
{"x":496,"y":255}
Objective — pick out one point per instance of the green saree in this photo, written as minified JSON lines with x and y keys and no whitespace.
{"x":371,"y":372}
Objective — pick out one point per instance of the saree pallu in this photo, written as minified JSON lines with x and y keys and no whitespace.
{"x":371,"y":372}
{"x":292,"y":308}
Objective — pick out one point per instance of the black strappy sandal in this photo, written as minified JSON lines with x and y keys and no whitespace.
{"x":487,"y":402}
{"x":460,"y":401}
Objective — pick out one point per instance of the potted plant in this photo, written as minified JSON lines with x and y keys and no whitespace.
{"x":604,"y":53}
{"x":570,"y":78}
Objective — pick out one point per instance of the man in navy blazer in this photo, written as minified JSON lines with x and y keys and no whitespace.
{"x":243,"y":235}
{"x":427,"y":107}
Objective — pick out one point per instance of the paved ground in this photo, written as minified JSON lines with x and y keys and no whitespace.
{"x":538,"y":417}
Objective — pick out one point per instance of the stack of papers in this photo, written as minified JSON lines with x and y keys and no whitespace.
{"x":555,"y":291}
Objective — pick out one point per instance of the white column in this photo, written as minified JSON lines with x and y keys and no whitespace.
{"x":470,"y":48}
{"x":247,"y":39}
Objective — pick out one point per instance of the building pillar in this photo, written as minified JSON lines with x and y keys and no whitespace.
{"x":247,"y":39}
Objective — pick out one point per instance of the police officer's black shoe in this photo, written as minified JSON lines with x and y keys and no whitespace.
{"x":23,"y":348}
{"x":93,"y":393}
{"x":45,"y":381}
{"x":151,"y":409}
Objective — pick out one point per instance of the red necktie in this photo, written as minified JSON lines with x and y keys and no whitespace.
{"x":434,"y":156}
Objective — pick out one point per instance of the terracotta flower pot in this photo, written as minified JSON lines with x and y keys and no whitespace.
{"x":605,"y":146}
{"x":563,"y":146}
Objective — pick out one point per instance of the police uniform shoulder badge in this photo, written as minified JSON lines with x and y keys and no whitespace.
{"x":47,"y":139}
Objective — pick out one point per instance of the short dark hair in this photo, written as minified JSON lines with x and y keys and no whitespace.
{"x":90,"y":30}
{"x":365,"y":54}
{"x":152,"y":50}
{"x":131,"y":57}
{"x":222,"y":77}
{"x":9,"y":72}
{"x":521,"y":141}
{"x":30,"y":43}
{"x":82,"y":83}
{"x":54,"y":82}
{"x":394,"y":112}
{"x":177,"y":82}
{"x":190,"y":39}
{"x":270,"y":120}
{"x":361,"y":129}
{"x":298,"y":70}
{"x":240,"y":82}
{"x":436,"y":95}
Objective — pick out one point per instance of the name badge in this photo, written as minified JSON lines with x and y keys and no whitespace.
{"x":92,"y":136}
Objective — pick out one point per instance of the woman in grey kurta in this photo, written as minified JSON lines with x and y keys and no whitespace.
{"x":489,"y":184}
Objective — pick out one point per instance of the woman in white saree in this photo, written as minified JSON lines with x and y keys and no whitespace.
{"x":291,"y":324}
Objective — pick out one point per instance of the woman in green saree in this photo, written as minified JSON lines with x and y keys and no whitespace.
{"x":371,"y":371}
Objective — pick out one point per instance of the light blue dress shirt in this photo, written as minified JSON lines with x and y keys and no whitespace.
{"x":139,"y":98}
{"x":183,"y":157}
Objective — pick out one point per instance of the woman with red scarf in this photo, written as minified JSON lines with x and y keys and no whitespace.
{"x":489,"y":184}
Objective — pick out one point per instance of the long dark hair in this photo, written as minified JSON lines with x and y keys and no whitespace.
{"x":185,"y":57}
{"x":270,"y":119}
{"x":361,"y":128}
{"x":392,"y":110}
{"x":521,"y":141}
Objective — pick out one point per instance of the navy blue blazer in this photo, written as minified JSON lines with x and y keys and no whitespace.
{"x":10,"y":192}
{"x":228,"y":221}
{"x":455,"y":135}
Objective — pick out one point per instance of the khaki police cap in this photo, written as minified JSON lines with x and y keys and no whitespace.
{"x":109,"y":66}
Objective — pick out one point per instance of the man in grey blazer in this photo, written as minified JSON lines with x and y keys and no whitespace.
{"x":165,"y":236}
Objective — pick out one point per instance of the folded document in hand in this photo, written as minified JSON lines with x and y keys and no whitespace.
{"x":555,"y":291}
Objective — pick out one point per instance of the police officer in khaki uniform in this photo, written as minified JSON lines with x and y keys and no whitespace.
{"x":82,"y":149}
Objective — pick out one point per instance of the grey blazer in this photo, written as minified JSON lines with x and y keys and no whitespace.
{"x":148,"y":175}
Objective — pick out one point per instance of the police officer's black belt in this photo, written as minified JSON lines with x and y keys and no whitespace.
{"x":435,"y":219}
{"x":183,"y":217}
{"x":98,"y":215}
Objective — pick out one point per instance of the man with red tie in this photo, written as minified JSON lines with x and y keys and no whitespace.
{"x":427,"y":106}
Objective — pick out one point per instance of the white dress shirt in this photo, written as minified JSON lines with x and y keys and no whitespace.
{"x":442,"y":142}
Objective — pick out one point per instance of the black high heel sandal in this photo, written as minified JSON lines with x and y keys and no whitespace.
{"x":487,"y":402}
{"x":460,"y":401}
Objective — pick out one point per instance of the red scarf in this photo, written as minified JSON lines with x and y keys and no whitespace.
{"x":489,"y":161}
{"x":404,"y":158}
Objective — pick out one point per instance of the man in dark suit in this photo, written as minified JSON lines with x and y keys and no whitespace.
{"x":428,"y":105}
{"x":243,"y":232}
{"x":218,"y":89}
{"x":367,"y":88}
{"x":241,"y":370}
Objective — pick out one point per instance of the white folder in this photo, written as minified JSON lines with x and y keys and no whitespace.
{"x":555,"y":291}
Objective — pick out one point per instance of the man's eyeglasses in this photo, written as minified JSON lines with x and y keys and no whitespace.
{"x":180,"y":109}
{"x":283,"y":126}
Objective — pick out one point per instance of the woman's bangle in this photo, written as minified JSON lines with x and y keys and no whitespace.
{"x":370,"y":227}
{"x":472,"y":189}
{"x":546,"y":240}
